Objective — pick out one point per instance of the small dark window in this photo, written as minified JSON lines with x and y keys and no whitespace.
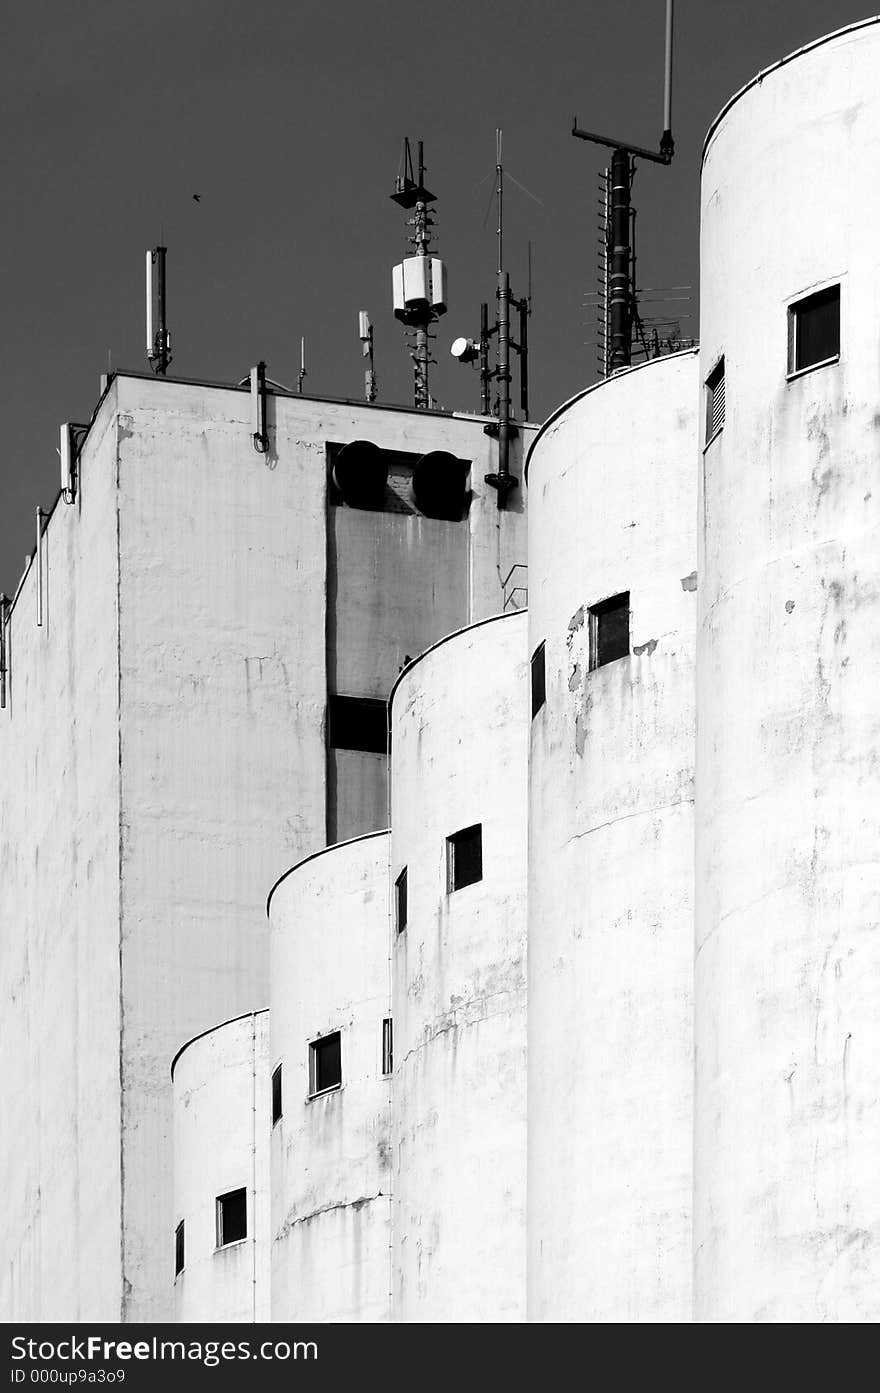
{"x":387,"y":1046}
{"x":276,"y":1096}
{"x":179,"y":1248}
{"x":464,"y":857}
{"x":231,"y":1217}
{"x":358,"y":723}
{"x":400,"y":901}
{"x":539,"y":680}
{"x":814,"y":329}
{"x":715,"y":400}
{"x":325,"y":1064}
{"x":609,"y":630}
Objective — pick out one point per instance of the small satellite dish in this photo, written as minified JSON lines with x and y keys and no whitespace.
{"x":465,"y":350}
{"x":360,"y":472}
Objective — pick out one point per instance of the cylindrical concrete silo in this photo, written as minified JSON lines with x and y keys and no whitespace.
{"x":458,"y":798}
{"x":219,"y":1253}
{"x":612,"y":615}
{"x":330,"y":1146}
{"x":787,"y":1209}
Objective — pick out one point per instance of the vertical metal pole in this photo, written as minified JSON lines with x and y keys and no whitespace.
{"x":485,"y":376}
{"x":39,"y":560}
{"x":524,"y":312}
{"x":4,"y":614}
{"x":503,"y":374}
{"x":667,"y":86}
{"x":151,"y":342}
{"x":160,"y":297}
{"x":620,"y":308}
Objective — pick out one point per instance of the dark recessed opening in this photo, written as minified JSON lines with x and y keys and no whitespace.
{"x":609,"y":630}
{"x":357,"y":723}
{"x":325,"y":1063}
{"x":464,"y":857}
{"x":387,"y":1046}
{"x":276,"y":1096}
{"x":814,"y":329}
{"x":179,"y":1248}
{"x":400,"y":906}
{"x":539,"y":680}
{"x":715,"y":400}
{"x":231,"y":1217}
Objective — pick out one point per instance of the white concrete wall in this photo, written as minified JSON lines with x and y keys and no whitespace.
{"x":60,"y":1223}
{"x":330,"y":1154}
{"x":189,"y":585}
{"x":612,"y":500}
{"x":222,"y":1118}
{"x":788,"y":760}
{"x":459,"y":728}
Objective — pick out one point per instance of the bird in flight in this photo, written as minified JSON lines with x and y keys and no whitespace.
{"x":197,"y":198}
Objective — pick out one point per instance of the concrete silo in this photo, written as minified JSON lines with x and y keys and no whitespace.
{"x":458,"y":800}
{"x":787,"y":1209}
{"x":331,"y":1066}
{"x":612,"y":505}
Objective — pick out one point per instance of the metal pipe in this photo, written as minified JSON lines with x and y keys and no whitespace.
{"x":4,"y":615}
{"x":485,"y":375}
{"x":258,"y":404}
{"x":667,"y":87}
{"x":39,"y":561}
{"x":620,"y":299}
{"x":150,"y":340}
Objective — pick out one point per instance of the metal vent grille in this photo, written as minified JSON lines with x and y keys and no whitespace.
{"x":715,"y":400}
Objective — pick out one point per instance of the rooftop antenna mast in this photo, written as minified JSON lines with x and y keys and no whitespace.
{"x":365,"y":334}
{"x":467,"y":351}
{"x":302,"y":374}
{"x":158,"y":337}
{"x":620,"y":287}
{"x":419,"y":281}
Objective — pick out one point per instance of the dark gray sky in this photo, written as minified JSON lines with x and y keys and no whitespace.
{"x":288,"y":120}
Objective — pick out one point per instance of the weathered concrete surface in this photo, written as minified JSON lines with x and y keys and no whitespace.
{"x":164,"y":754}
{"x":459,"y":724}
{"x":788,"y":760}
{"x":60,"y":1227}
{"x":612,"y":498}
{"x":222,"y":1113}
{"x":330,"y":1154}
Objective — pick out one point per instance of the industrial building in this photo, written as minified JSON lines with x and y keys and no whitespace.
{"x":379,"y":949}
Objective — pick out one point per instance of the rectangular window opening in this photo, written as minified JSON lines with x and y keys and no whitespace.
{"x":715,"y":400}
{"x":539,"y":680}
{"x":325,"y":1064}
{"x":464,"y":857}
{"x":814,"y":329}
{"x":357,"y":723}
{"x":387,"y":1046}
{"x":609,"y":630}
{"x":179,"y":1248}
{"x":276,"y":1096}
{"x":400,"y":905}
{"x":231,"y":1217}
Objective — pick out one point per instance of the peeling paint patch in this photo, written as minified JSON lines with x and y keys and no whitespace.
{"x":574,"y":680}
{"x":576,"y":621}
{"x":789,"y":606}
{"x":689,"y":582}
{"x":645,"y":648}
